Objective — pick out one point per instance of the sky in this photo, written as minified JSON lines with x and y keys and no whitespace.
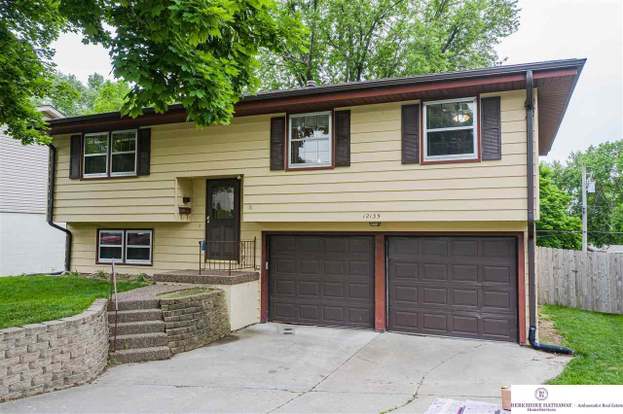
{"x":549,"y":29}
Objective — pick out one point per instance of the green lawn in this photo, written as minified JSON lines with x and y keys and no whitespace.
{"x":31,"y":299}
{"x":597,"y":339}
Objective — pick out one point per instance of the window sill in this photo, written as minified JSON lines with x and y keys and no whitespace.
{"x":97,"y":262}
{"x":311,"y":167}
{"x":450,"y":161}
{"x":108,"y":177}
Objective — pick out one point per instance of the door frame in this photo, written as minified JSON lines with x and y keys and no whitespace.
{"x":381,"y":303}
{"x":237,"y":206}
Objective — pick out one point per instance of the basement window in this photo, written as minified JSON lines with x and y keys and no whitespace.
{"x":309,"y":140}
{"x":125,"y":246}
{"x":450,"y":130}
{"x":110,"y":246}
{"x":138,"y":246}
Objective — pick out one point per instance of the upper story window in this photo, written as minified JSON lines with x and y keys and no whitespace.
{"x":111,"y":154}
{"x":309,"y":140}
{"x":450,"y":130}
{"x":123,"y":153}
{"x":96,"y":155}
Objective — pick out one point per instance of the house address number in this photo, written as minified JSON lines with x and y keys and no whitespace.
{"x":372,"y":216}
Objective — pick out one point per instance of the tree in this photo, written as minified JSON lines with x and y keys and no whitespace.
{"x":604,"y":163}
{"x":354,"y":40}
{"x":555,"y":215}
{"x":71,"y":97}
{"x":200,"y":53}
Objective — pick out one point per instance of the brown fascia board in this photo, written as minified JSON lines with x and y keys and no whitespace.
{"x":349,"y":94}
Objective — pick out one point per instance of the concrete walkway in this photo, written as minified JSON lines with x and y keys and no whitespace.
{"x":315,"y":370}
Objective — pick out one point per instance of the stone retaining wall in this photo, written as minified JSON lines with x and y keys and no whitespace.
{"x":53,"y":355}
{"x":195,"y":320}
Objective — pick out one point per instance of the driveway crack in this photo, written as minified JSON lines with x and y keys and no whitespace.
{"x":426,"y":374}
{"x":323,"y":379}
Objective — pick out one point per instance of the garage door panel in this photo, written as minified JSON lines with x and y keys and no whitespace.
{"x":405,"y":294}
{"x":497,"y":274}
{"x":405,"y":320}
{"x":498,"y":247}
{"x":496,"y":328}
{"x":333,"y":289}
{"x":464,"y":273}
{"x":467,"y":289}
{"x":434,"y":296}
{"x":309,"y":288}
{"x":334,"y":277}
{"x":465,"y":297}
{"x":359,"y":316}
{"x":502,"y":300}
{"x":284,"y":287}
{"x":464,"y":248}
{"x":434,"y":271}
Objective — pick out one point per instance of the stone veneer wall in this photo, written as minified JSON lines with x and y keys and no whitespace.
{"x":195,"y":320}
{"x":53,"y":355}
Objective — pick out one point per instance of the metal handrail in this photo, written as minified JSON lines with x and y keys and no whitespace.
{"x":227,"y":256}
{"x":113,"y":291}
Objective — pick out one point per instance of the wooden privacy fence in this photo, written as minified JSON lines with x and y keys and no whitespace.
{"x":591,"y":280}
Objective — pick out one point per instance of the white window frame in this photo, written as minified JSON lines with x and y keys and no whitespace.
{"x":99,"y":154}
{"x":133,"y":246}
{"x":100,"y":245}
{"x":474,"y":128}
{"x":110,"y":145}
{"x":330,"y":138}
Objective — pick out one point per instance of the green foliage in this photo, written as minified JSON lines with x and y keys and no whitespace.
{"x":604,"y":163}
{"x":554,"y":207}
{"x":597,"y":339}
{"x":71,"y":97}
{"x":353,"y":40}
{"x":201,"y":53}
{"x":32,"y":299}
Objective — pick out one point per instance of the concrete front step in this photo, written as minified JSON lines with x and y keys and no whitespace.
{"x":135,"y":341}
{"x":140,"y":355}
{"x":134,"y":304}
{"x":135,"y":315}
{"x":141,"y":327}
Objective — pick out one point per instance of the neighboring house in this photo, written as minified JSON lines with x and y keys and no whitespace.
{"x":27,"y":243}
{"x":397,"y":204}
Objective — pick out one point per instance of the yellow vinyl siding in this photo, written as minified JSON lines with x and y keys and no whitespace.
{"x":375,"y":182}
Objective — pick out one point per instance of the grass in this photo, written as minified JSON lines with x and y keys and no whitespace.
{"x":597,"y":339}
{"x":184,"y":293}
{"x":32,"y":299}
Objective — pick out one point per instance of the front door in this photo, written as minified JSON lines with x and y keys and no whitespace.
{"x":223,"y":219}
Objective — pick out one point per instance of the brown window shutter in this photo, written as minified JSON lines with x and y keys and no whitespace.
{"x":491,"y":128}
{"x":277,"y":143}
{"x":342,"y":138}
{"x":411,"y":134}
{"x":144,"y":151}
{"x":75,"y":158}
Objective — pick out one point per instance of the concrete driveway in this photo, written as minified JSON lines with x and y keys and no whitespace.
{"x":262,"y":369}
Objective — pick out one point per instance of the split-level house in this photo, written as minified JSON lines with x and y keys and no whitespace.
{"x":400,"y":204}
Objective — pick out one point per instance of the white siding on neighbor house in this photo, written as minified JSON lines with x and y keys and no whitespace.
{"x":23,"y":176}
{"x":27,"y":243}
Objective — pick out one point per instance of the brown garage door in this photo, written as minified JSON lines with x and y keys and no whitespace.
{"x":458,"y":286}
{"x":322,"y":280}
